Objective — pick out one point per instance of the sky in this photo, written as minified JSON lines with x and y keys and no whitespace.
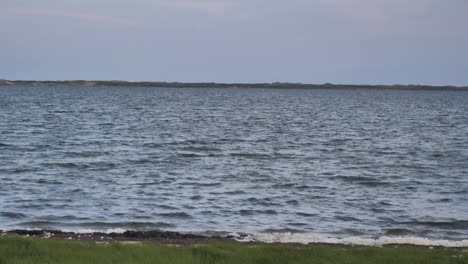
{"x":308,"y":41}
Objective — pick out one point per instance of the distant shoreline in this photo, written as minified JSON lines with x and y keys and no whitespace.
{"x":276,"y":85}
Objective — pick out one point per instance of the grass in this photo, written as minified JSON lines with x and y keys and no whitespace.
{"x":26,"y":250}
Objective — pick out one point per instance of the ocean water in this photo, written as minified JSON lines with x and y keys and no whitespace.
{"x":328,"y":163}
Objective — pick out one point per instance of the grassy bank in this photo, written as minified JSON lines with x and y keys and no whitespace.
{"x":23,"y":250}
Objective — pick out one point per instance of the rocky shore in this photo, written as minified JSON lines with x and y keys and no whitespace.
{"x":155,"y":236}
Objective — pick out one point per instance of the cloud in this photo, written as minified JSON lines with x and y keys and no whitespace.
{"x":92,"y":18}
{"x":370,"y":12}
{"x":218,"y":7}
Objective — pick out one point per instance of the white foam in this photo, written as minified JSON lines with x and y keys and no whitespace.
{"x":317,"y":238}
{"x":107,"y":231}
{"x":288,"y":237}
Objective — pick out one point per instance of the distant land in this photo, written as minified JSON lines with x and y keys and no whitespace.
{"x":277,"y":85}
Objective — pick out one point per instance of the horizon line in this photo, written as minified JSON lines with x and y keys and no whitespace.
{"x":235,"y":83}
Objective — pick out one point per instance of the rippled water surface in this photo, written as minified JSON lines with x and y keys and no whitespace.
{"x":357,"y":162}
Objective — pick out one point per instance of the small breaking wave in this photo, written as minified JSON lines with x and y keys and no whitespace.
{"x":269,"y":236}
{"x":301,"y":238}
{"x":107,"y":231}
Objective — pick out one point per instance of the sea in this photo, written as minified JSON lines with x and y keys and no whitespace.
{"x":282,"y":165}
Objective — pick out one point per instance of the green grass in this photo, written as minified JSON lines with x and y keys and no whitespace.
{"x":22,"y":250}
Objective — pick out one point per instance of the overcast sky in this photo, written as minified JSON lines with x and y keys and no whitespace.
{"x":310,"y":41}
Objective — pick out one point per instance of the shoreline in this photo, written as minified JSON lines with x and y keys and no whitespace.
{"x":161,"y":237}
{"x":275,"y":85}
{"x":154,"y":236}
{"x":40,"y":250}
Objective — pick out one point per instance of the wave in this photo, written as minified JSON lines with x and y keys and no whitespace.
{"x":45,"y":181}
{"x":200,"y":148}
{"x":12,"y":215}
{"x":72,"y":165}
{"x":301,"y":238}
{"x":4,"y":145}
{"x":454,"y":224}
{"x":66,"y":165}
{"x":181,"y":215}
{"x":281,"y":236}
{"x":362,"y":180}
{"x":107,"y":231}
{"x":235,"y":192}
{"x":251,"y":155}
{"x":249,"y":212}
{"x":130,"y":225}
{"x":98,"y":226}
{"x":282,"y":230}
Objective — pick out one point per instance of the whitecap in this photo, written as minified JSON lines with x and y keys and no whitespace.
{"x":317,"y":238}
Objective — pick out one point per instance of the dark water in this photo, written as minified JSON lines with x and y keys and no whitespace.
{"x":342,"y":163}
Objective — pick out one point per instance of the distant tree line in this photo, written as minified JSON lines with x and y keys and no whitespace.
{"x":277,"y":85}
